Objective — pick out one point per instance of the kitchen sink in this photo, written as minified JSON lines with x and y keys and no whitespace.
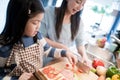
{"x":94,"y":51}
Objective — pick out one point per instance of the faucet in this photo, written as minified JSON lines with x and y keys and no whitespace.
{"x":115,"y":38}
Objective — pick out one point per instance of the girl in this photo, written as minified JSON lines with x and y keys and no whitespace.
{"x":28,"y":45}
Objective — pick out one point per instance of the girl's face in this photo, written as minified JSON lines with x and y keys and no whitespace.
{"x":74,"y":6}
{"x":33,"y":25}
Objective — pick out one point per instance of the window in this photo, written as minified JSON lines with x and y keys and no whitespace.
{"x":3,"y":7}
{"x":98,"y":18}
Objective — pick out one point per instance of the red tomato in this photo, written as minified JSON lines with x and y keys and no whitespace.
{"x":97,"y":62}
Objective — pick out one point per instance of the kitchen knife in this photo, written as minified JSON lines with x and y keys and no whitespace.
{"x":81,"y":65}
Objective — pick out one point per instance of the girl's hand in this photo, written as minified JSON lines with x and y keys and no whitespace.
{"x":71,"y":57}
{"x":27,"y":76}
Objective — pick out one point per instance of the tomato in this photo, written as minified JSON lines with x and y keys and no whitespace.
{"x":45,"y":71}
{"x":97,"y":62}
{"x":48,"y":69}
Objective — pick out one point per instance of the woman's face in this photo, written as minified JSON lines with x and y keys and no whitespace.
{"x":74,"y":6}
{"x":33,"y":25}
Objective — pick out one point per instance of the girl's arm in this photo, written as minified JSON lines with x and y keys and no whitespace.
{"x":57,"y":53}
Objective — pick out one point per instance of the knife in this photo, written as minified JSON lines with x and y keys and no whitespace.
{"x":81,"y":65}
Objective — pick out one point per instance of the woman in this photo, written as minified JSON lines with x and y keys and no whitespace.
{"x":63,"y":26}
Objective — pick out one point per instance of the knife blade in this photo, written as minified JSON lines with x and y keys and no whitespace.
{"x":81,"y":65}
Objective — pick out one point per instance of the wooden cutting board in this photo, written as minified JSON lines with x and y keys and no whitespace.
{"x":60,"y":64}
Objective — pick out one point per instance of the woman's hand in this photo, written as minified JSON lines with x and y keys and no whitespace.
{"x":86,"y":61}
{"x":27,"y":76}
{"x":82,"y":52}
{"x":71,"y":57}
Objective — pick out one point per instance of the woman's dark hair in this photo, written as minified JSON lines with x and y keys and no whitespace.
{"x":18,"y":13}
{"x":75,"y":20}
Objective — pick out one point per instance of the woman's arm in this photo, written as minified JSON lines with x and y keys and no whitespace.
{"x":82,"y":51}
{"x":56,"y":44}
{"x":85,"y":59}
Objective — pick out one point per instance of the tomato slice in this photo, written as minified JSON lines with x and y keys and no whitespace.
{"x":51,"y":76}
{"x":48,"y":70}
{"x":45,"y":71}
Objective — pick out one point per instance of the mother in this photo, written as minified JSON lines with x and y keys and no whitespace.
{"x":63,"y":28}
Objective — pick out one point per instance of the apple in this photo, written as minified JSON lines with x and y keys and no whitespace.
{"x":101,"y":42}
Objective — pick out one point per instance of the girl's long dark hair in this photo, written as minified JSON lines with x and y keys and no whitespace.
{"x":75,"y":20}
{"x":18,"y":13}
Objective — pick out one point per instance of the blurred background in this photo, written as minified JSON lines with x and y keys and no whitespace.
{"x":101,"y":17}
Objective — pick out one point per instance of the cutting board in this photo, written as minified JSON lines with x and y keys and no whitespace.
{"x":60,"y":64}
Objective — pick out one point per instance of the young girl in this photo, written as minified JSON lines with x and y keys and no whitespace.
{"x":21,"y":31}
